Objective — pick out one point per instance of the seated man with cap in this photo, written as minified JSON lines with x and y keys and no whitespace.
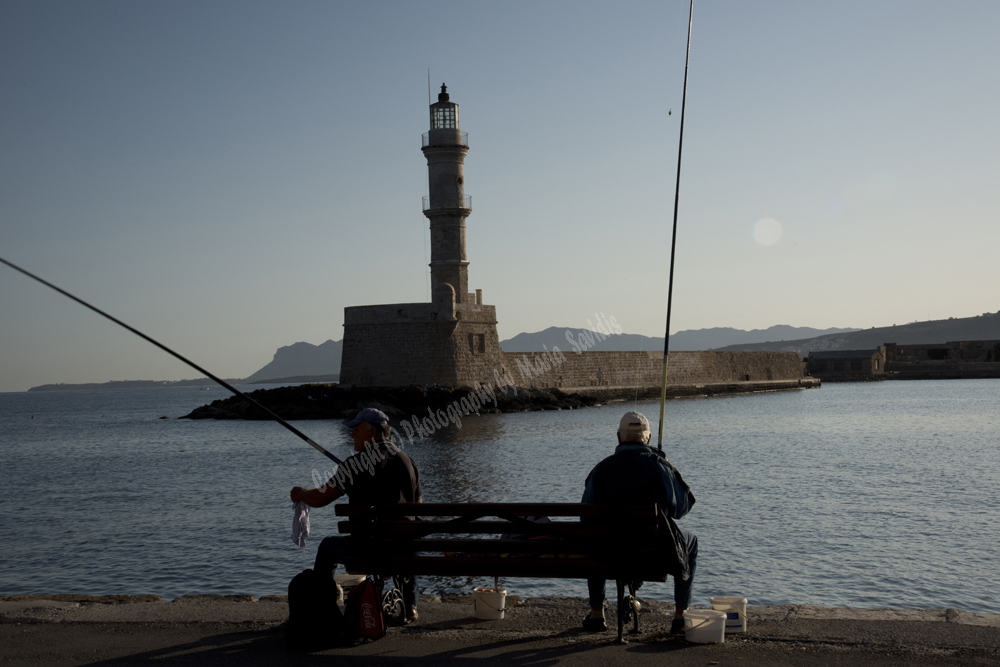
{"x":637,"y":474}
{"x":378,"y":474}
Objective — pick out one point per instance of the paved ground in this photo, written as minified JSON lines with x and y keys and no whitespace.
{"x":235,"y":630}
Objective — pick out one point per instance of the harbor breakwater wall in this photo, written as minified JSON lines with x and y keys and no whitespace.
{"x":623,"y":369}
{"x":533,"y":381}
{"x":444,"y":404}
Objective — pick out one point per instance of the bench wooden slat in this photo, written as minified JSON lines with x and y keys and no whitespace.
{"x":562,"y":568}
{"x":404,"y":529}
{"x":517,"y":509}
{"x":471,"y":547}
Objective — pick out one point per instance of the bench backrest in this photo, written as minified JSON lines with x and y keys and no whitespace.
{"x":581,"y":540}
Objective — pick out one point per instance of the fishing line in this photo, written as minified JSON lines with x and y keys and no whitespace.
{"x":193,"y":365}
{"x":635,"y":401}
{"x":673,"y":240}
{"x":425,"y":232}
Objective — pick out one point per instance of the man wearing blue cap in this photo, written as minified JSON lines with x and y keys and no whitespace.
{"x":378,"y":474}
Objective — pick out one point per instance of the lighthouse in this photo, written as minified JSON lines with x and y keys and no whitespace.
{"x":452,"y":340}
{"x":447,"y":206}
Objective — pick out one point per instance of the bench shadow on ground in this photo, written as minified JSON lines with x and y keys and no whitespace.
{"x":266,"y":647}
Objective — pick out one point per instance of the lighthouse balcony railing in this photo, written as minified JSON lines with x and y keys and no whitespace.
{"x":427,"y":203}
{"x":463,"y":141}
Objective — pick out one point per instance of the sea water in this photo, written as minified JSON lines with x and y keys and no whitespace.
{"x":859,"y":495}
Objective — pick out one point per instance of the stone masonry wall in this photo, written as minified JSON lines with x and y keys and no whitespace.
{"x":389,"y":354}
{"x":968,"y":350}
{"x":420,"y":343}
{"x":536,"y":369}
{"x":478,"y":352}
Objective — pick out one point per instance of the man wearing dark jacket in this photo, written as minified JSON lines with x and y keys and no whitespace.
{"x":379,"y":474}
{"x":637,"y":474}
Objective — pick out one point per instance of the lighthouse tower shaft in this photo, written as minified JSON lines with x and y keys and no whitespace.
{"x":447,"y":205}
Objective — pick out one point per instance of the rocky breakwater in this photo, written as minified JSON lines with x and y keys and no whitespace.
{"x":333,"y":401}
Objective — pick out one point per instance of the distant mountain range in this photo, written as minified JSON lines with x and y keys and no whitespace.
{"x":980,"y":327}
{"x":292,"y":364}
{"x":302,"y":359}
{"x":690,"y":339}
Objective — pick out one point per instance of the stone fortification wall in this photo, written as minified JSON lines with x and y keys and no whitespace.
{"x":477,"y":345}
{"x":420,"y":343}
{"x":943,"y":366}
{"x":554,"y":369}
{"x":954,"y":351}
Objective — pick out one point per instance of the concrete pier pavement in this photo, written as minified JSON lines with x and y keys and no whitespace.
{"x":238,"y":630}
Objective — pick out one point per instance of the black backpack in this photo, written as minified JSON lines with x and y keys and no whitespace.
{"x":315,"y":622}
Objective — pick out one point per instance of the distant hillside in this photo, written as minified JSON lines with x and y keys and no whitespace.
{"x":133,"y":384}
{"x":302,"y":359}
{"x":691,"y":339}
{"x":301,"y":379}
{"x":981,"y":327}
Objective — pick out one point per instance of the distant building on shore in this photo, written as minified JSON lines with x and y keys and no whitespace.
{"x":968,"y":351}
{"x":966,"y":359}
{"x":846,"y":363}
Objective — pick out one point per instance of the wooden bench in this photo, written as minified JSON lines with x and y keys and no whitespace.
{"x":612,"y":542}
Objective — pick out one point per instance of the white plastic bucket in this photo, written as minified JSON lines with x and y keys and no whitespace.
{"x":736,"y":611}
{"x":349,"y":580}
{"x":489,"y":604}
{"x":705,"y":626}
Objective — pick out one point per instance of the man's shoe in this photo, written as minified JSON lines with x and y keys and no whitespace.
{"x":677,"y":627}
{"x":412,"y":615}
{"x":594,"y":624}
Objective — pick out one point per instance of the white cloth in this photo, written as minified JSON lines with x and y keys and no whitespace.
{"x":300,"y":524}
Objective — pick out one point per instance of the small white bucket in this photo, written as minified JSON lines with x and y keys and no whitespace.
{"x":705,"y":626}
{"x":349,"y":580}
{"x":489,"y":604}
{"x":346,"y":581}
{"x":736,"y":611}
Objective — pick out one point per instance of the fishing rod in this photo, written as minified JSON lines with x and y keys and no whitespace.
{"x":193,"y":365}
{"x":673,"y":240}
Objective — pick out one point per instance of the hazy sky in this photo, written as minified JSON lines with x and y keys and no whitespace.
{"x":228,"y":176}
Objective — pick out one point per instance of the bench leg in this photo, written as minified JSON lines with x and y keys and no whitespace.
{"x":392,"y":599}
{"x":633,"y":603}
{"x":621,"y":611}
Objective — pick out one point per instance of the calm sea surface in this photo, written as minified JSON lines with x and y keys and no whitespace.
{"x":858,"y":495}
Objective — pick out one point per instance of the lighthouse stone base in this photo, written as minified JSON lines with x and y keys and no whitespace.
{"x":421,"y":343}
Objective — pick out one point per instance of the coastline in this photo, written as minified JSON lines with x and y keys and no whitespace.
{"x":238,"y":629}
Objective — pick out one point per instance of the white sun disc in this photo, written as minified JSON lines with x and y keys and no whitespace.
{"x":767,"y":231}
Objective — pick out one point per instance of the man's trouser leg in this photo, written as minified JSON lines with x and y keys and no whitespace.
{"x":330,"y":554}
{"x":682,"y":587}
{"x":408,"y":586}
{"x":596,"y":590}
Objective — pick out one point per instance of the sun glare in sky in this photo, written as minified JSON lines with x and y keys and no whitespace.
{"x":767,"y":231}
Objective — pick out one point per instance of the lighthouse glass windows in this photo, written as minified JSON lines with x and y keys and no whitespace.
{"x":444,"y":117}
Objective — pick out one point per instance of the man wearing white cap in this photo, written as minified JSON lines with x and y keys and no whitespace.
{"x":637,"y":474}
